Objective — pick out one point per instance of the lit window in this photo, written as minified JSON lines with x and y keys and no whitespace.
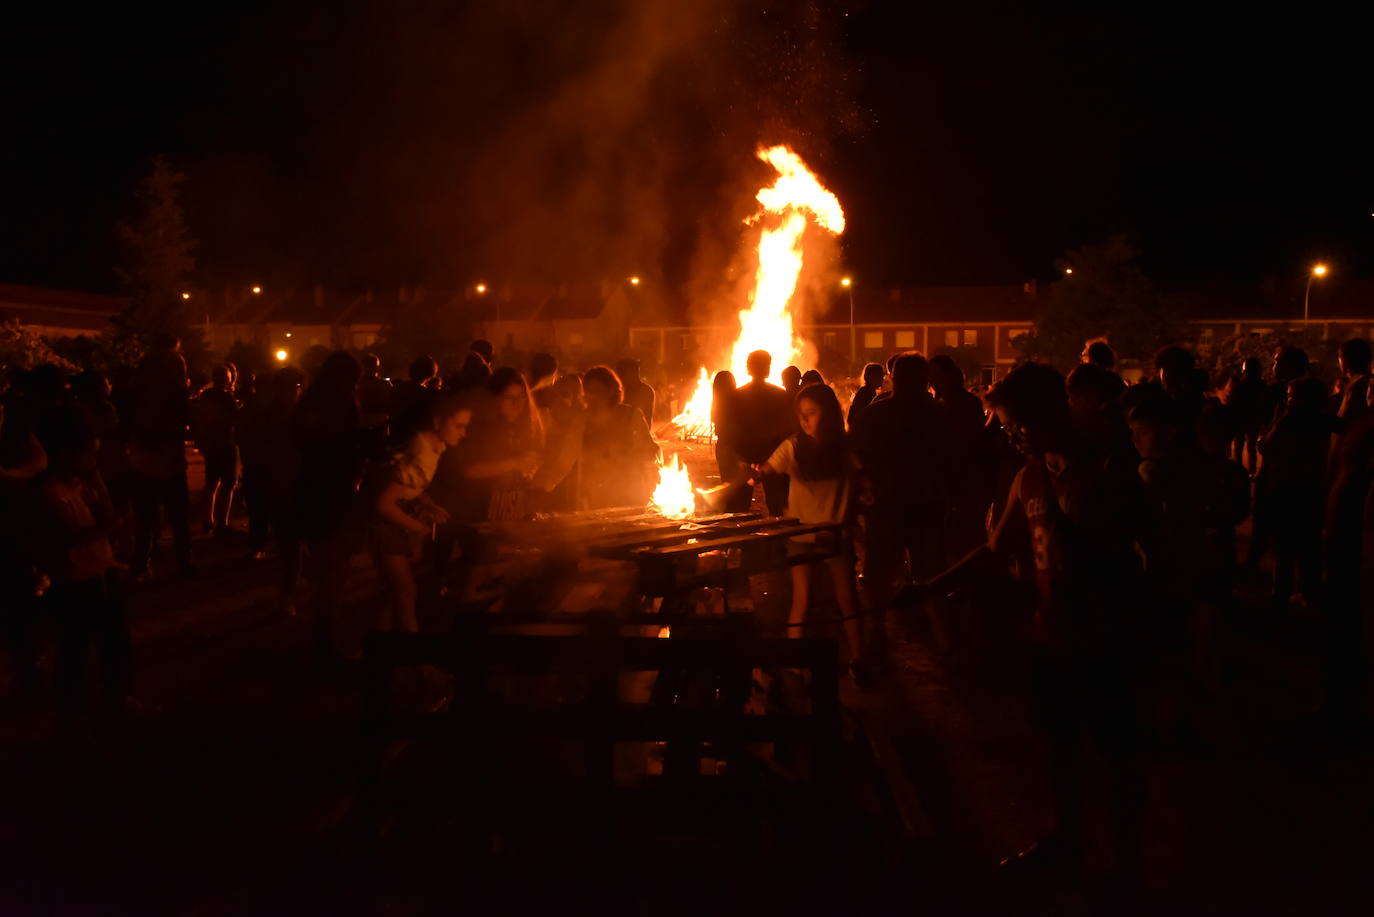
{"x":873,"y":340}
{"x":906,"y":340}
{"x":971,"y":337}
{"x":951,"y":339}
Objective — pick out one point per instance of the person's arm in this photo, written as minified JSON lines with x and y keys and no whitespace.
{"x":484,"y":469}
{"x":781,"y":461}
{"x":980,"y":563}
{"x":389,"y":508}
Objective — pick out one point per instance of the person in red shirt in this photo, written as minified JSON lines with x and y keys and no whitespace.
{"x":1077,"y":516}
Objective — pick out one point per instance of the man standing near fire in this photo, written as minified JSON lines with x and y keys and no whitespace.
{"x":763,"y":419}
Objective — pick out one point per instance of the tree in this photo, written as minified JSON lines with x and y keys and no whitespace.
{"x":108,"y":352}
{"x":1104,"y":293}
{"x":159,"y":262}
{"x":22,"y":349}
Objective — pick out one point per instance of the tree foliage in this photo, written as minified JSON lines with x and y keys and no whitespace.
{"x":23,"y":349}
{"x":109,"y":352}
{"x":1107,"y":294}
{"x":159,"y":261}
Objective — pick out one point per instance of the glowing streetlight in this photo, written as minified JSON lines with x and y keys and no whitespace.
{"x":185,"y":295}
{"x":281,"y":356}
{"x":1068,"y":270}
{"x":634,"y":281}
{"x":1318,"y":270}
{"x":480,"y":288}
{"x":848,"y":284}
{"x":257,"y":291}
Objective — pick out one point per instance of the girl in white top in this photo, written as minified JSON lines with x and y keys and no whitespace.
{"x":403,"y":512}
{"x":822,"y":470}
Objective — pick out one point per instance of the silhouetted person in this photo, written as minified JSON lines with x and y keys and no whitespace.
{"x":1196,"y":499}
{"x":791,"y":379}
{"x":1097,"y":414}
{"x":500,"y":454}
{"x":157,"y":425}
{"x":413,"y":400}
{"x":903,"y":444}
{"x":1245,"y":396}
{"x":216,"y":417}
{"x":1354,"y":360}
{"x":1078,"y":523}
{"x":812,"y":377}
{"x":874,"y":376}
{"x":558,"y":481}
{"x":1177,"y":378}
{"x":473,"y":375}
{"x":1291,"y":489}
{"x":764,"y":418}
{"x":374,"y":394}
{"x":270,"y":461}
{"x":723,"y":420}
{"x":328,"y":435}
{"x":21,"y":460}
{"x":76,"y":553}
{"x":102,"y":419}
{"x":484,"y":350}
{"x":1099,"y":353}
{"x":619,"y":455}
{"x":1290,"y":364}
{"x":1347,"y":545}
{"x":543,"y":374}
{"x":971,"y":475}
{"x":638,"y":393}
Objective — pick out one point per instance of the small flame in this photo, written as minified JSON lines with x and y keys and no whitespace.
{"x":673,"y":497}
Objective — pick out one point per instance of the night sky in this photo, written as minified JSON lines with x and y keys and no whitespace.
{"x":363,"y":143}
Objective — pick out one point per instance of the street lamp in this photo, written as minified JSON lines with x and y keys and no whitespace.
{"x":634,"y":281}
{"x":185,"y":295}
{"x":481,"y":288}
{"x":281,"y":356}
{"x":257,"y":290}
{"x":1318,"y":270}
{"x":848,"y":284}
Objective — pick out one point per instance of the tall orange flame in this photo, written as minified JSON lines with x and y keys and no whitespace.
{"x":795,"y":198}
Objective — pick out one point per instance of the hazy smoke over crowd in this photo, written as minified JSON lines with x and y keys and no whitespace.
{"x":535,"y":140}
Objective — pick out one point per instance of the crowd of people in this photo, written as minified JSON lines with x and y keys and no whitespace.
{"x":329,"y":465}
{"x":1115,"y":505}
{"x":1119,"y":504}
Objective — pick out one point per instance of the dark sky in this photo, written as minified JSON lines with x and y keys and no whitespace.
{"x":361,"y":142}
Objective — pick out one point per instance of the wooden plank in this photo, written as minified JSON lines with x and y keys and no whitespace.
{"x":756,"y":536}
{"x":615,"y":547}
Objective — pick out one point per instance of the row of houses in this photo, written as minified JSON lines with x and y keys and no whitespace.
{"x":582,"y":323}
